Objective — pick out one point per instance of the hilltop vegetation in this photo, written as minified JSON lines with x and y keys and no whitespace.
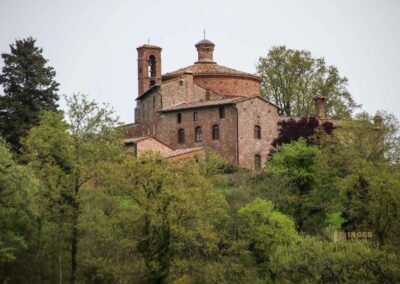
{"x":76,"y":206}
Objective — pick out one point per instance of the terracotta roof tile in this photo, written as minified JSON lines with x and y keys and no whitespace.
{"x":200,"y":104}
{"x":208,"y":69}
{"x":181,"y":152}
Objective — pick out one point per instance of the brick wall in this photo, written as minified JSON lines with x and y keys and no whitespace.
{"x":207,"y":117}
{"x":168,"y":94}
{"x":229,"y":86}
{"x":152,"y":145}
{"x":256,"y":112}
{"x":132,"y":130}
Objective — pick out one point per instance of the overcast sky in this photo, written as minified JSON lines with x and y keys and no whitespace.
{"x":92,"y":43}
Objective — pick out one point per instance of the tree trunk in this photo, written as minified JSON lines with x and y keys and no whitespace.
{"x":74,"y":239}
{"x":74,"y":244}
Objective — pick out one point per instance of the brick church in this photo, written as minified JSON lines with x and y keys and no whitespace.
{"x":202,"y":106}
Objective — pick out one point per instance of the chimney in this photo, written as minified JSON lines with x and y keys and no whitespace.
{"x":189,"y":86}
{"x":320,"y":107}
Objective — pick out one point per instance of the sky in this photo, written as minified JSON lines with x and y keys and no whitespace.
{"x":92,"y":43}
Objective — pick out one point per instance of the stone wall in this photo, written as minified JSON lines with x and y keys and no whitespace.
{"x":229,"y":86}
{"x":254,"y":112}
{"x":206,"y":118}
{"x":151,"y":144}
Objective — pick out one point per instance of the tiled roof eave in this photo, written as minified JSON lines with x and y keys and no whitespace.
{"x":224,"y":74}
{"x":195,"y":107}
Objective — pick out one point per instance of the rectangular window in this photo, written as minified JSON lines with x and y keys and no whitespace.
{"x":195,"y":116}
{"x":197,"y":134}
{"x":222,"y":112}
{"x":179,"y":117}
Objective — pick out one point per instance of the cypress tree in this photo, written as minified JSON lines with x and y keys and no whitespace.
{"x":29,"y":87}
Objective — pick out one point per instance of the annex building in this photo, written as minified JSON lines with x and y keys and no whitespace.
{"x":202,"y":106}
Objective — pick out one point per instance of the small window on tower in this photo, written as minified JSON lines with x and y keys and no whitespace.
{"x":179,"y":117}
{"x":221,"y":112}
{"x":152,"y":66}
{"x":257,"y":132}
{"x":195,"y":116}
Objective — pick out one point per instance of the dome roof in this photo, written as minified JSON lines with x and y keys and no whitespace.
{"x":205,"y":41}
{"x":206,"y":69}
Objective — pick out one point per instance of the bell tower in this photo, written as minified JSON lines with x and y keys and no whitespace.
{"x":149,"y":67}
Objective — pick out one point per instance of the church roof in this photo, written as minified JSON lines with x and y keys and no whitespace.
{"x":200,"y":104}
{"x":211,"y":103}
{"x":199,"y":69}
{"x":180,"y":152}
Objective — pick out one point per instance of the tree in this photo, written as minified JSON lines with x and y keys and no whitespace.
{"x":372,"y":201}
{"x":310,"y":260}
{"x":29,"y":87}
{"x":291,"y":78}
{"x":67,"y":155}
{"x":313,"y":193}
{"x":265,"y":230}
{"x":291,"y":130}
{"x":18,"y":188}
{"x":179,"y":215}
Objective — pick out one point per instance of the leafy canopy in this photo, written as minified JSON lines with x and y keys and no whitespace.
{"x":292,"y":78}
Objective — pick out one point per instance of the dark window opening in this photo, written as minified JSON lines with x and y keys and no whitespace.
{"x":152,"y":83}
{"x":154,"y":102}
{"x":152,"y":66}
{"x":257,"y":132}
{"x":179,"y":117}
{"x":221,"y":112}
{"x":181,"y":136}
{"x":257,"y":162}
{"x":198,"y":134}
{"x":215,"y":132}
{"x":195,"y":116}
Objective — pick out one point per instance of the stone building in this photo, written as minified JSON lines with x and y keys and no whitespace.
{"x":202,"y":106}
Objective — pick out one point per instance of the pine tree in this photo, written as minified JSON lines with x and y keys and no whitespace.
{"x":29,"y":88}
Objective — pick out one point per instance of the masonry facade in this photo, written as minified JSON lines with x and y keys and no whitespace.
{"x":202,"y":106}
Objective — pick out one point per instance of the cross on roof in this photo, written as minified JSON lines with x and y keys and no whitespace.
{"x":204,"y":32}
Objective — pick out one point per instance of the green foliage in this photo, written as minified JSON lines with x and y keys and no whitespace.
{"x":18,"y":188}
{"x":173,"y":227}
{"x":312,"y":194}
{"x":29,"y":88}
{"x":312,"y":261}
{"x":265,"y":229}
{"x":291,"y":78}
{"x":372,"y":201}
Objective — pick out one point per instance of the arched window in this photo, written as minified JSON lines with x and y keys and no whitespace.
{"x":181,"y":136}
{"x":215,"y":132}
{"x":257,"y":132}
{"x":257,"y":162}
{"x":197,"y":134}
{"x":152,"y":66}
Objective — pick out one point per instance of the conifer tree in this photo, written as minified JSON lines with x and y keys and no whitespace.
{"x":29,"y":87}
